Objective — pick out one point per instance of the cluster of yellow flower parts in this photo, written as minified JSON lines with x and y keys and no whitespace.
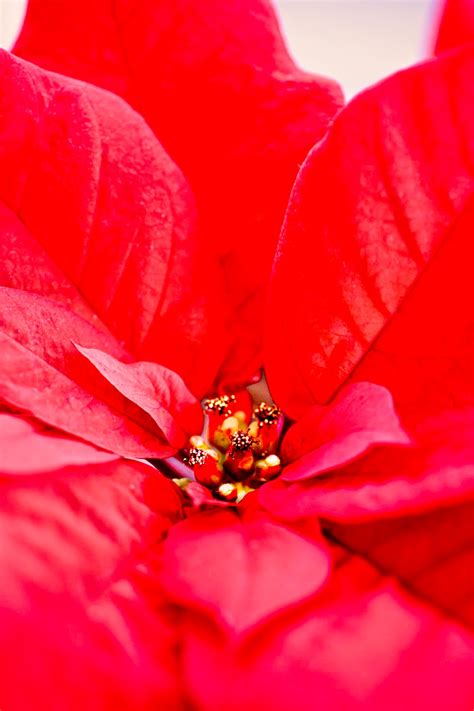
{"x":237,"y":451}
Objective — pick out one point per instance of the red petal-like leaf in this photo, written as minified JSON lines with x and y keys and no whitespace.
{"x":29,"y":447}
{"x":456,"y":24}
{"x":364,"y":642}
{"x":241,"y":571}
{"x":373,"y":278}
{"x":42,"y":372}
{"x":25,"y":264}
{"x":216,"y":83}
{"x":80,"y":619}
{"x":156,"y":390}
{"x":432,"y":554}
{"x":360,"y":418}
{"x":112,"y":218}
{"x":389,"y":481}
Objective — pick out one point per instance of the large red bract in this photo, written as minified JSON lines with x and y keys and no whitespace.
{"x":96,"y":216}
{"x":80,"y":620}
{"x":372,"y":277}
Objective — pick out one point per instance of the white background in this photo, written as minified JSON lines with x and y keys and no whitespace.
{"x":356,"y":42}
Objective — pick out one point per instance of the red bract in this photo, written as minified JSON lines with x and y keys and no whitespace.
{"x":395,"y":294}
{"x":96,"y":216}
{"x":42,"y":372}
{"x":364,"y":642}
{"x":80,"y":621}
{"x":30,"y":447}
{"x":438,"y":470}
{"x":156,"y":390}
{"x":361,"y":417}
{"x":431,"y":554}
{"x":386,"y":303}
{"x":456,"y":25}
{"x":227,"y":566}
{"x":215,"y":82}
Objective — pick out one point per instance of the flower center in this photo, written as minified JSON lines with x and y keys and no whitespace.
{"x":236,"y":453}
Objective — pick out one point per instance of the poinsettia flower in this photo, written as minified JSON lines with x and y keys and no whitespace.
{"x":216,"y":83}
{"x":238,"y":602}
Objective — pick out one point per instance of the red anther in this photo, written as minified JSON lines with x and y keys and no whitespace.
{"x":218,"y":409}
{"x":239,"y":461}
{"x":206,"y":467}
{"x":266,"y":428}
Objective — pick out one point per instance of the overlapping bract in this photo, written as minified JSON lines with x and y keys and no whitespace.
{"x":376,"y":245}
{"x":44,"y":373}
{"x":96,"y":216}
{"x":80,"y":621}
{"x":364,"y":642}
{"x":30,"y":447}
